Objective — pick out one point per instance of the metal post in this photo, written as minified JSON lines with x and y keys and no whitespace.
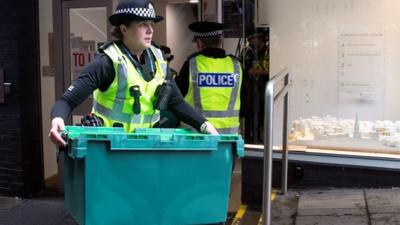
{"x":285,"y":144}
{"x":270,"y":98}
{"x":268,"y":127}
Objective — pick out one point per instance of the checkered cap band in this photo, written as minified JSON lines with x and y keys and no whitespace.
{"x":208,"y":34}
{"x":142,"y":12}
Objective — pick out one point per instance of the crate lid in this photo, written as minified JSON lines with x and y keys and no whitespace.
{"x":148,"y":139}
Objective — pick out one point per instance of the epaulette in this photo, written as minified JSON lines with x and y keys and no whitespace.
{"x":155,"y":45}
{"x":104,"y":46}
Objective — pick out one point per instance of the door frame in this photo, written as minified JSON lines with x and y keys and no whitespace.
{"x":61,"y":29}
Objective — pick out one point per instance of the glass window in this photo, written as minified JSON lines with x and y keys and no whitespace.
{"x":342,"y":57}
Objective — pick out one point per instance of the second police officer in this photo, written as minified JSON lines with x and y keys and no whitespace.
{"x":210,"y":80}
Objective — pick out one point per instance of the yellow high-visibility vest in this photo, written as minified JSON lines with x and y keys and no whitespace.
{"x":214,"y":91}
{"x":115,"y":105}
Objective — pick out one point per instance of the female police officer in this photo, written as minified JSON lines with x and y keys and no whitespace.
{"x":127,"y":78}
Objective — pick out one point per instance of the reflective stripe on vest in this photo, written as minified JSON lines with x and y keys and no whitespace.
{"x":159,"y":56}
{"x":230,"y":112}
{"x":116,"y":112}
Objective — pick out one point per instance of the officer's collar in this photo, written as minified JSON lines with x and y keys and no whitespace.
{"x":126,"y":51}
{"x":213,"y":52}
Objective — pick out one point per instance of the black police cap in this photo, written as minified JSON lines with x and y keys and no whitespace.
{"x":256,"y":31}
{"x":129,"y":10}
{"x":206,"y":29}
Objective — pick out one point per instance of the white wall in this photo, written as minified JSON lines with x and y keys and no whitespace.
{"x":314,"y":39}
{"x":160,"y":28}
{"x":47,"y":84}
{"x":230,"y":45}
{"x":179,"y":37}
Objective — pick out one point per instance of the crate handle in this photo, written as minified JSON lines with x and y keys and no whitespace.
{"x":96,"y":136}
{"x":229,"y":138}
{"x":166,"y":138}
{"x":194,"y":138}
{"x":138,"y":136}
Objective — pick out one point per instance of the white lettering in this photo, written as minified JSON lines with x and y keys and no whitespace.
{"x":209,"y":80}
{"x":217,"y":80}
{"x":202,"y":78}
{"x":231,"y":81}
{"x":224,"y":80}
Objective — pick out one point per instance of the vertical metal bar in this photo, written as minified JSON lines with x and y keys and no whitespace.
{"x":243,"y":33}
{"x":200,"y":10}
{"x":2,"y":88}
{"x":285,"y":139}
{"x":268,"y":126}
{"x":220,"y":11}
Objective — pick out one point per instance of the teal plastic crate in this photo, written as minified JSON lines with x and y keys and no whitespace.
{"x":150,"y":177}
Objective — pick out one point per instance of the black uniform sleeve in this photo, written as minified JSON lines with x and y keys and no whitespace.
{"x":182,"y":110}
{"x":188,"y":115}
{"x":176,"y":96}
{"x":182,"y":80}
{"x":98,"y":74}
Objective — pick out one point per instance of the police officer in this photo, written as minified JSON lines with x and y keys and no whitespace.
{"x":256,"y":55}
{"x":256,"y":67}
{"x":210,"y":80}
{"x":127,"y":78}
{"x":169,"y":57}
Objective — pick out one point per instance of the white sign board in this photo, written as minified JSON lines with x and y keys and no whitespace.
{"x":343,"y":55}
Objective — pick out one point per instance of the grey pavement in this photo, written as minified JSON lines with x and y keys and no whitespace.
{"x":349,"y":206}
{"x":44,"y":209}
{"x":333,"y":207}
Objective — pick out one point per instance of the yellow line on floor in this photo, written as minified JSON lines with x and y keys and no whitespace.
{"x":239,"y":215}
{"x":273,"y":195}
{"x":260,"y":220}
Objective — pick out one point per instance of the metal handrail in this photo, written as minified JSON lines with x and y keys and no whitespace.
{"x":270,"y":98}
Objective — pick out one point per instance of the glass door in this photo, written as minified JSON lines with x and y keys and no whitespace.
{"x":85,"y":28}
{"x":80,"y":26}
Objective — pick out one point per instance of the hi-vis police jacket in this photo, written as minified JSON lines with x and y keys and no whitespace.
{"x":214,"y":90}
{"x":115,"y":105}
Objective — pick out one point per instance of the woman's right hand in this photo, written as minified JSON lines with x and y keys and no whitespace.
{"x":208,"y":128}
{"x":57,"y":126}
